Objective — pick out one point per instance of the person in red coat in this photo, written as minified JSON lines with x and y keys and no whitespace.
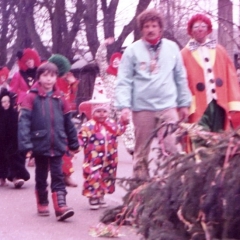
{"x":211,"y":77}
{"x":22,"y":81}
{"x":28,"y":62}
{"x":68,"y":84}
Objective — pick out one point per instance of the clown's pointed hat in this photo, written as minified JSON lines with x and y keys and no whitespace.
{"x":98,"y":100}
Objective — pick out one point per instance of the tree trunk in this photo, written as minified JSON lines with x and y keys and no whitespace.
{"x":31,"y":28}
{"x":225,"y":28}
{"x":90,"y":20}
{"x":109,"y":14}
{"x":58,"y":27}
{"x":76,"y":20}
{"x":23,"y":39}
{"x":142,"y":5}
{"x":4,"y":30}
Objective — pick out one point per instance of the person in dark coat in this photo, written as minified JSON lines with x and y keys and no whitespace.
{"x":12,"y":163}
{"x":46,"y":130}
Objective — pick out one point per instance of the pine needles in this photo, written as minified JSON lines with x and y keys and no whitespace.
{"x":193,"y":196}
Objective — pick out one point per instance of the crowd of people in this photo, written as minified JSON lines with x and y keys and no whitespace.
{"x":150,"y":83}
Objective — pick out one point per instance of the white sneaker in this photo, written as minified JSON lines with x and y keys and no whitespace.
{"x":94,"y":203}
{"x":18,"y":182}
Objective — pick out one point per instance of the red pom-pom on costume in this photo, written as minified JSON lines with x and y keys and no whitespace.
{"x":4,"y":72}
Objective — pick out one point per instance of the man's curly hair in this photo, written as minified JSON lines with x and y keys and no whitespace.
{"x":149,"y":15}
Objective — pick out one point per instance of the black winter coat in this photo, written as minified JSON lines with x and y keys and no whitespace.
{"x":8,"y":126}
{"x":45,"y":124}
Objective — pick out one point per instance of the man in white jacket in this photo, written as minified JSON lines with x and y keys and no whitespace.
{"x":152,"y":84}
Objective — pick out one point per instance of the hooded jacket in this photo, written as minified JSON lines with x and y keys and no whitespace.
{"x":45,"y":125}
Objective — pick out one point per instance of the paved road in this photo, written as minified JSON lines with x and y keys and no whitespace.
{"x":19,"y":220}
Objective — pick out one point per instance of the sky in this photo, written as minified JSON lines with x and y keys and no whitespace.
{"x":127,"y":8}
{"x":236,"y":12}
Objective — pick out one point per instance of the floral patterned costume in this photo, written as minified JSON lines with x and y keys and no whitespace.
{"x":100,"y":156}
{"x":109,"y":81}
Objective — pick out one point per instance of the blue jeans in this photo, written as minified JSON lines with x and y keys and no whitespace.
{"x":54,"y":165}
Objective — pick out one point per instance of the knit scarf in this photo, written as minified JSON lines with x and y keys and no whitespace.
{"x":153,"y":41}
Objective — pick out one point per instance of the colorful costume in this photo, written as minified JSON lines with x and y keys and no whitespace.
{"x":70,"y":92}
{"x":211,"y":77}
{"x":109,"y":76}
{"x":98,"y":136}
{"x":100,"y":150}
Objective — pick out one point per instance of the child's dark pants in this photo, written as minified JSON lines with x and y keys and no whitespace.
{"x":54,"y":165}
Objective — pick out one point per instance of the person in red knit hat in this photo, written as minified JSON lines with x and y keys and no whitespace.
{"x":211,"y":77}
{"x":28,"y":62}
{"x":22,"y":81}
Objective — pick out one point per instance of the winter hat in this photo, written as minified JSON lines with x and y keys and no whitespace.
{"x":98,"y":101}
{"x":25,"y":55}
{"x":111,"y":69}
{"x":4,"y":72}
{"x":61,"y":62}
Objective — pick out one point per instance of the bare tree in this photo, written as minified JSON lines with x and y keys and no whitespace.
{"x":7,"y":30}
{"x":109,"y":23}
{"x":225,"y":29}
{"x":72,"y":26}
{"x":176,"y":15}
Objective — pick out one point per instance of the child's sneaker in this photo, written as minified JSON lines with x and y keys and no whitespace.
{"x":103,"y":203}
{"x":18,"y":182}
{"x":94,"y":203}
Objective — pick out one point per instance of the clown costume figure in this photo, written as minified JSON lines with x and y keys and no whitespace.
{"x":98,"y":137}
{"x":108,"y":73}
{"x":211,"y":77}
